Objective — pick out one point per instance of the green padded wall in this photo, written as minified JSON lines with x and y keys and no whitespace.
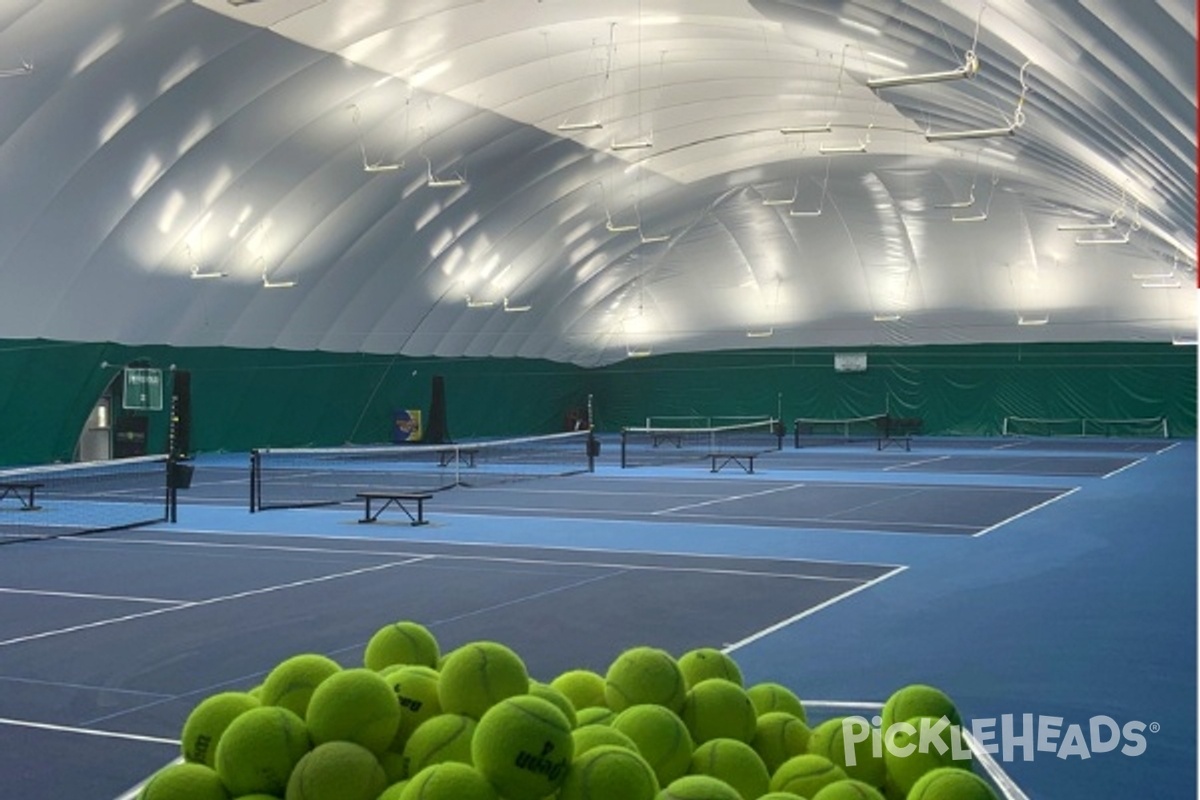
{"x":252,"y":398}
{"x":959,"y":390}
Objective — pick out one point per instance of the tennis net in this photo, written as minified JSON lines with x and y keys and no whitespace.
{"x":812,"y":432}
{"x":1133,"y":428}
{"x":46,"y":502}
{"x":650,"y":446}
{"x":303,"y":477}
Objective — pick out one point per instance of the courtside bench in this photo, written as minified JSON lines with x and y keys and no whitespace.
{"x":743,"y":460}
{"x":24,"y":492}
{"x":397,"y":499}
{"x":898,"y":431}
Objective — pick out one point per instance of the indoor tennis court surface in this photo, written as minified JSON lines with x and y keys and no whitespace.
{"x":841,"y":572}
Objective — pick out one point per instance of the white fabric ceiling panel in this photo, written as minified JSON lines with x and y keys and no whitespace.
{"x":299,"y":156}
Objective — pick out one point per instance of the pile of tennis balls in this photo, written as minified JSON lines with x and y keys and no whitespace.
{"x":414,"y":724}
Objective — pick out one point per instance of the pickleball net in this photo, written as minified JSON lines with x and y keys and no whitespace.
{"x":304,"y":477}
{"x":663,"y":445}
{"x":45,"y":502}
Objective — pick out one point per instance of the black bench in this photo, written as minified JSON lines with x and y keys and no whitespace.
{"x":743,"y":460}
{"x":397,"y":499}
{"x":463,"y":455}
{"x":24,"y":492}
{"x":898,"y":431}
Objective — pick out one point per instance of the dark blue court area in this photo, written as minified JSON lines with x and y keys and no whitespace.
{"x":844,"y":572}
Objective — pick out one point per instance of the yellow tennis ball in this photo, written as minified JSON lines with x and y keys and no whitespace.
{"x":919,"y":700}
{"x":708,"y":662}
{"x":354,"y":705}
{"x":190,"y":780}
{"x":392,"y":792}
{"x":951,"y":783}
{"x":735,"y":763}
{"x":848,"y":790}
{"x":446,"y":737}
{"x":416,"y":689}
{"x":478,"y":675}
{"x":699,"y":787}
{"x":643,"y":675}
{"x":556,"y":698}
{"x":594,"y":715}
{"x":719,"y":709}
{"x":903,"y":771}
{"x":770,"y":696}
{"x":609,"y":771}
{"x":259,"y":749}
{"x":829,"y":739}
{"x":291,"y":683}
{"x":402,"y":642}
{"x":337,"y":771}
{"x":208,"y":720}
{"x":806,"y":775}
{"x":450,"y":780}
{"x":584,"y":688}
{"x":600,"y":735}
{"x":661,"y":738}
{"x":779,"y":736}
{"x":523,"y":745}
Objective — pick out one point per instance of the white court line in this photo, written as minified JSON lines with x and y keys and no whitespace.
{"x":83,"y":686}
{"x":542,"y":561}
{"x":86,"y":596}
{"x":916,"y":463}
{"x":497,"y":545}
{"x":198,"y":603}
{"x":754,"y":637}
{"x":727,"y":499}
{"x":1122,"y":469}
{"x":1029,"y":510}
{"x":45,"y":726}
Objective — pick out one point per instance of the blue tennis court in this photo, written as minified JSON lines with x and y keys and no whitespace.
{"x":844,"y":583}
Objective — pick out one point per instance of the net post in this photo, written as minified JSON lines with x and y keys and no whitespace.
{"x":624,"y":439}
{"x":796,"y":434}
{"x":255,"y":475}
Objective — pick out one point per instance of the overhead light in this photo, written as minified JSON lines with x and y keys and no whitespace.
{"x":978,"y":133}
{"x":1152,"y":276}
{"x":839,"y":149}
{"x":637,"y":352}
{"x":612,"y":227}
{"x":1161,"y":284}
{"x":200,"y":274}
{"x":1026,"y":321}
{"x":798,"y":129}
{"x":442,"y":183}
{"x":636,"y":144}
{"x":1018,"y":119}
{"x":1088,"y":226}
{"x":381,"y":167}
{"x":982,"y":217}
{"x":765,"y":333}
{"x":968,"y":69}
{"x":479,"y":303}
{"x":886,"y":317}
{"x":512,"y":309}
{"x":26,"y":68}
{"x":594,"y":125}
{"x":270,"y":284}
{"x":655,"y":239}
{"x":241,"y":2}
{"x":1184,"y":341}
